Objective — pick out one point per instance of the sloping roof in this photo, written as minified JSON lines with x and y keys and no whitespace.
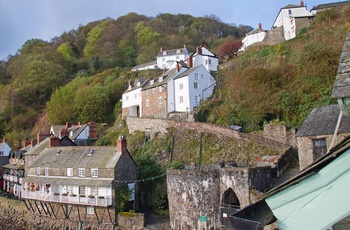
{"x":289,"y":6}
{"x":96,"y":182}
{"x":167,"y":76}
{"x":256,"y":31}
{"x":14,"y":166}
{"x":187,"y":72}
{"x":323,"y":121}
{"x":151,"y":63}
{"x":342,"y":82}
{"x":38,"y":148}
{"x":77,"y":157}
{"x":136,"y":86}
{"x":172,"y":52}
{"x":328,"y":5}
{"x":77,"y":131}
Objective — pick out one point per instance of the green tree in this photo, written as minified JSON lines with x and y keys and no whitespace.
{"x":145,"y":34}
{"x":93,"y":37}
{"x":66,"y":51}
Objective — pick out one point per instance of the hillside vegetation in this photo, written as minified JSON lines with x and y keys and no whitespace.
{"x":283,"y":82}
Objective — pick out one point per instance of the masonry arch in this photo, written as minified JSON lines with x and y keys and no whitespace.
{"x":230,"y":198}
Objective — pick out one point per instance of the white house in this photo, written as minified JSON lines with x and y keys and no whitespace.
{"x":191,"y":87}
{"x":166,"y":58}
{"x":253,"y":37}
{"x":205,"y":57}
{"x":132,"y":99}
{"x":4,"y":150}
{"x":292,"y":18}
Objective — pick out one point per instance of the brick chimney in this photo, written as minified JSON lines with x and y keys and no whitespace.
{"x":26,"y":143}
{"x":130,"y":84}
{"x":33,"y":142}
{"x":189,"y":62}
{"x":185,"y":46}
{"x":260,"y":27}
{"x":92,"y":130}
{"x":42,"y":136}
{"x":302,"y":3}
{"x":68,"y":125}
{"x":177,"y":67}
{"x":121,"y":145}
{"x":54,"y":141}
{"x":199,"y":50}
{"x":63,"y":132}
{"x":161,"y":49}
{"x":79,"y":123}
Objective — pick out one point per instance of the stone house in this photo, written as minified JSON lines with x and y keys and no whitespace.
{"x":79,"y":182}
{"x":292,"y":18}
{"x":315,"y":135}
{"x":79,"y":133}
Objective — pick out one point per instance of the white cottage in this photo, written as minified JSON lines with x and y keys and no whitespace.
{"x":203,"y":56}
{"x":253,"y":37}
{"x":292,"y":18}
{"x":166,"y":58}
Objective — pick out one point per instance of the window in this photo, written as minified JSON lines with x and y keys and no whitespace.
{"x":147,"y":103}
{"x":206,"y":62}
{"x":38,"y":171}
{"x":135,"y":95}
{"x":153,"y":90}
{"x":289,"y":12}
{"x":94,"y":172}
{"x":146,"y":92}
{"x":160,"y":89}
{"x":151,"y":82}
{"x":1,"y":153}
{"x":90,"y":210}
{"x":160,"y":79}
{"x":181,"y":86}
{"x":196,"y":99}
{"x":46,"y":171}
{"x":81,"y":172}
{"x":160,"y":100}
{"x":94,"y":191}
{"x":320,"y":147}
{"x":127,"y":98}
{"x":202,"y":76}
{"x":69,"y":171}
{"x":82,"y":190}
{"x":209,"y":61}
{"x":177,"y":57}
{"x":196,"y":76}
{"x":195,"y":85}
{"x":181,"y":99}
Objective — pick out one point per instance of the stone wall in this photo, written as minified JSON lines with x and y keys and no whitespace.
{"x":199,"y":193}
{"x":306,"y":148}
{"x":131,"y":221}
{"x":274,"y":36}
{"x":276,"y":132}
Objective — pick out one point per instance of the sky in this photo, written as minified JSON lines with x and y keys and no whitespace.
{"x":22,"y":20}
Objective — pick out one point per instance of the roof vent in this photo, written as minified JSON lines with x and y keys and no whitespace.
{"x":58,"y":152}
{"x":91,"y":151}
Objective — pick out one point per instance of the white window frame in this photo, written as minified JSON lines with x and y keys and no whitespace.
{"x":82,"y":190}
{"x":160,"y":89}
{"x":46,"y":171}
{"x":195,"y":85}
{"x":146,"y":92}
{"x":126,"y":98}
{"x":181,"y":99}
{"x":153,"y":90}
{"x":147,"y":103}
{"x":160,"y":100}
{"x":38,"y":171}
{"x":81,"y":172}
{"x":90,"y":210}
{"x":94,"y":172}
{"x":181,"y":86}
{"x":70,"y":172}
{"x":196,"y":76}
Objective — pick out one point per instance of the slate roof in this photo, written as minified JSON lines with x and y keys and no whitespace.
{"x":256,"y":31}
{"x":291,"y":6}
{"x":328,"y":5}
{"x":37,"y":149}
{"x":76,"y":129}
{"x":167,"y":76}
{"x":323,"y":121}
{"x":187,"y":72}
{"x":142,"y":83}
{"x":342,"y":82}
{"x":151,"y":63}
{"x":77,"y":157}
{"x":171,"y":52}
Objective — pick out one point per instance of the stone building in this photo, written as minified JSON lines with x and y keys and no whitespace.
{"x":79,"y":183}
{"x":203,"y":199}
{"x":315,"y":135}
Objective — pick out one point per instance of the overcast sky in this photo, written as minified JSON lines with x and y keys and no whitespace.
{"x":21,"y":20}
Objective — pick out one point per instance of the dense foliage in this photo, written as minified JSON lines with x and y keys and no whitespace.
{"x":80,"y":75}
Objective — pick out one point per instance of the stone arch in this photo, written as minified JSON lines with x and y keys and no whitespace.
{"x":230,"y":198}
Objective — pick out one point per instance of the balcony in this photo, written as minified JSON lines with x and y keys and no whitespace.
{"x":67,"y":199}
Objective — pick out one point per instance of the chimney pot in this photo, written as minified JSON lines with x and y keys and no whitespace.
{"x":68,"y":125}
{"x":199,"y":50}
{"x":121,"y":145}
{"x":161,"y":49}
{"x":177,"y":67}
{"x":63,"y":132}
{"x":301,"y":3}
{"x":189,"y":62}
{"x":92,"y":130}
{"x":260,"y":26}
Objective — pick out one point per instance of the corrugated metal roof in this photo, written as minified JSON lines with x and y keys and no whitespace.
{"x":341,"y":87}
{"x":69,"y":181}
{"x":322,"y":121}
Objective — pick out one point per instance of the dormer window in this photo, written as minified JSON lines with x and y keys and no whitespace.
{"x":164,"y":53}
{"x":81,"y":172}
{"x":160,"y":79}
{"x":94,"y":172}
{"x":151,"y":82}
{"x":178,"y":51}
{"x":138,"y":84}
